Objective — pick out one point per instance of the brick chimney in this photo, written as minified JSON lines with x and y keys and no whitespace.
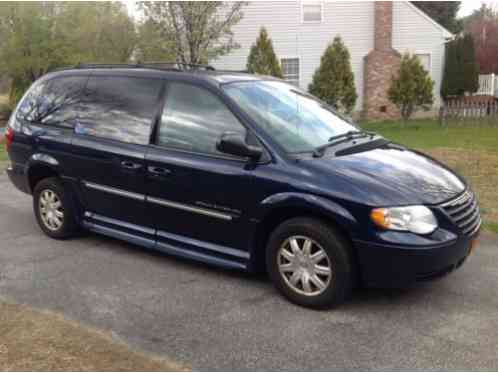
{"x":380,"y":64}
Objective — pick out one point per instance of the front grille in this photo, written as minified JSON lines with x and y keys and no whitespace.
{"x":464,"y":211}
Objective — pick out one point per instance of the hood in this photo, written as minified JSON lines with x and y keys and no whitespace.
{"x":391,"y":176}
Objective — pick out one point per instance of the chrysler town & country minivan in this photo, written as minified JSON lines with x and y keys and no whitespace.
{"x":239,"y":171}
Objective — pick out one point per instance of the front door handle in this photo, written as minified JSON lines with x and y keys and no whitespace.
{"x":158,"y":171}
{"x":130,"y":165}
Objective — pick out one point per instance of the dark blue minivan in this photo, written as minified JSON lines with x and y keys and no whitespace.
{"x":239,"y":171}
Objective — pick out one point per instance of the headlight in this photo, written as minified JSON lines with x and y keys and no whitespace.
{"x":416,"y":219}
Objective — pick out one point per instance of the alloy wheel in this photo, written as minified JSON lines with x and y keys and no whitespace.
{"x":304,"y":265}
{"x":51,"y":210}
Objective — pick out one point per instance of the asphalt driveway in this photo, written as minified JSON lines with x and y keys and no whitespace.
{"x":210,"y":319}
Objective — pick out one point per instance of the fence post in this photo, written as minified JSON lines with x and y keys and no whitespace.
{"x":442,"y":113}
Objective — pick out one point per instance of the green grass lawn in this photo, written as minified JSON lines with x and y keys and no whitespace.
{"x":471,"y":150}
{"x":428,"y":134}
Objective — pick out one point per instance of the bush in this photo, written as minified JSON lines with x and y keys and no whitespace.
{"x":262,"y":58}
{"x":333,"y":81}
{"x":412,"y":89}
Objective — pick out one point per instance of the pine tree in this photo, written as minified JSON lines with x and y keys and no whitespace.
{"x":412,"y":88}
{"x":333,"y":81}
{"x":449,"y":84}
{"x":262,"y":59}
{"x":469,"y":65}
{"x":461,"y":72}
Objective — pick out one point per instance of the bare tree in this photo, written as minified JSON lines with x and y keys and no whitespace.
{"x":199,"y":30}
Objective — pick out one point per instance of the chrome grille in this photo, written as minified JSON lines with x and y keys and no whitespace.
{"x":464,"y":211}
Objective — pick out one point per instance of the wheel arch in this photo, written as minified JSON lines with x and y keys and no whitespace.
{"x":284,"y":206}
{"x":39,"y":167}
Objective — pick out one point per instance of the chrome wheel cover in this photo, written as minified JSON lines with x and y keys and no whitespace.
{"x":51,"y":211}
{"x":304,"y":265}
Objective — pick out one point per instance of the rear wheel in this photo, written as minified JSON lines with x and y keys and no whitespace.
{"x":54,"y":209}
{"x":309,"y":263}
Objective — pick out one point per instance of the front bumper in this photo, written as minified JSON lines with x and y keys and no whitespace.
{"x":392,"y":266}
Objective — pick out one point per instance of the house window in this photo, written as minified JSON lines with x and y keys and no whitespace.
{"x":311,"y":12}
{"x":425,"y":59}
{"x":290,"y":70}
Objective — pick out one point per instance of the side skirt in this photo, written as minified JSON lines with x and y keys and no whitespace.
{"x":167,"y":243}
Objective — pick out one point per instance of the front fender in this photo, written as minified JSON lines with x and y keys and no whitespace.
{"x":320,"y":205}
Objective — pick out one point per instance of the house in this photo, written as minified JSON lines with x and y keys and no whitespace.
{"x":376,"y":34}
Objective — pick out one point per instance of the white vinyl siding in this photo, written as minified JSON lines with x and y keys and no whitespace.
{"x":414,"y":33}
{"x":353,"y":21}
{"x":290,"y":70}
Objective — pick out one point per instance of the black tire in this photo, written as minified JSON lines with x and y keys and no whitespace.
{"x":69,"y":226}
{"x":337,"y":248}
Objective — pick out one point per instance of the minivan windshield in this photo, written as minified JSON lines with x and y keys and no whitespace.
{"x":296,"y":120}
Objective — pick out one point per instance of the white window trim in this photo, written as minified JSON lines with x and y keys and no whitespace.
{"x":430,"y":59}
{"x":298,"y":66}
{"x":311,"y":3}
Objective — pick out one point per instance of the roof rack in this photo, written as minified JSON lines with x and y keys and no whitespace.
{"x":163,"y":66}
{"x":179,"y":65}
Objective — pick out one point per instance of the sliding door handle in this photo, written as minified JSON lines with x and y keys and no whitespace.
{"x":131,"y":165}
{"x":158,"y":171}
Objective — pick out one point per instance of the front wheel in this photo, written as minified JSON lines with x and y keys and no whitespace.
{"x":309,"y":263}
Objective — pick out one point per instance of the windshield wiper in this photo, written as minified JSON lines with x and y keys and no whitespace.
{"x":339,"y":139}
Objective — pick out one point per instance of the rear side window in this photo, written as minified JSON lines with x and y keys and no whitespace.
{"x":56,"y":101}
{"x":194,"y":119}
{"x":62,"y":100}
{"x":26,"y":109}
{"x":120,"y":108}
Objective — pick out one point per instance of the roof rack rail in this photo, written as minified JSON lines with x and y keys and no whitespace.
{"x":163,"y":66}
{"x":179,"y":65}
{"x":91,"y":65}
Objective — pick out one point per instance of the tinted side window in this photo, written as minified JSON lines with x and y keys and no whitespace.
{"x":194,"y":119}
{"x":28,"y":106}
{"x":53,"y":102}
{"x":120,"y":108}
{"x":62,"y":100}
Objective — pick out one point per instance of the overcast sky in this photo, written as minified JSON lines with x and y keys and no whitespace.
{"x":468,"y":6}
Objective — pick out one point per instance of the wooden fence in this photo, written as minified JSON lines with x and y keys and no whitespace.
{"x":471,"y":112}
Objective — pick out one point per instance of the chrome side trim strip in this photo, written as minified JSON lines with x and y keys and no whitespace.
{"x":158,"y":201}
{"x":111,"y":190}
{"x":204,"y":245}
{"x":189,"y":208}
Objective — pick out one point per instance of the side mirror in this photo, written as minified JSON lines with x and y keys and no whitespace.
{"x":235,"y":144}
